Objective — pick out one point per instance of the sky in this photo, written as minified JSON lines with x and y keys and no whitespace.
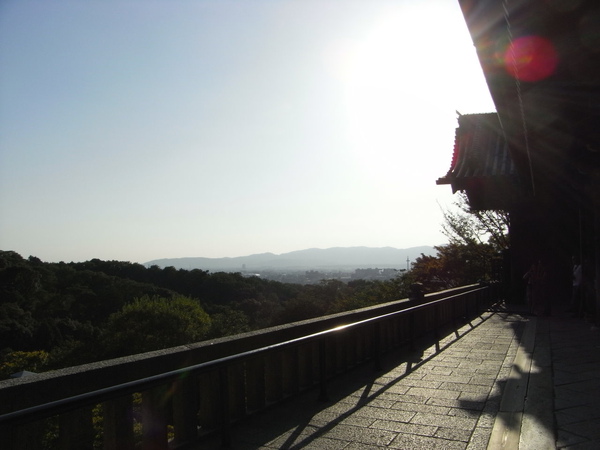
{"x":138,"y":130}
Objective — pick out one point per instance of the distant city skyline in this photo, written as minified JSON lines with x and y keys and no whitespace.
{"x":137,"y":131}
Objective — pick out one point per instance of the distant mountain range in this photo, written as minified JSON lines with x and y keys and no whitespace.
{"x":337,"y":258}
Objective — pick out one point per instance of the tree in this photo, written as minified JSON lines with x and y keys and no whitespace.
{"x":13,"y":362}
{"x":469,"y":226}
{"x":226,"y":321}
{"x":16,"y":327}
{"x":153,"y":323}
{"x":477,"y":239}
{"x":456,"y":264}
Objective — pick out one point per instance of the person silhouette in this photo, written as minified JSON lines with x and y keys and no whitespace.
{"x":535,"y":277}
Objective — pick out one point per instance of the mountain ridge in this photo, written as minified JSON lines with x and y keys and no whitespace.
{"x":312,"y":258}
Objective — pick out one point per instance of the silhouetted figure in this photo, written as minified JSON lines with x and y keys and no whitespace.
{"x":576,"y":305}
{"x":535,"y":277}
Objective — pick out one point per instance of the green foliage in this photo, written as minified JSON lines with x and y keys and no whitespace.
{"x":456,"y":265}
{"x":14,"y":362}
{"x":153,"y":323}
{"x":227,"y":321}
{"x":83,"y":312}
{"x":16,"y":326}
{"x":471,"y":227}
{"x":477,"y":239}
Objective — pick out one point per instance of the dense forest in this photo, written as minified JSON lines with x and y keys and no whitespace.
{"x":55,"y":315}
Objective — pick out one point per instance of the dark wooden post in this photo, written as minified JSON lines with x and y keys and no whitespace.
{"x":18,"y":437}
{"x":273,"y":376}
{"x":185,"y":410}
{"x":75,"y":430}
{"x":323,"y":370}
{"x":255,"y":383}
{"x":237,"y":390}
{"x":154,"y":420}
{"x":305,"y":365}
{"x":209,"y":400}
{"x":118,"y":424}
{"x":291,"y":379}
{"x":224,"y":415}
{"x":436,"y":321}
{"x":413,"y":330}
{"x":376,"y":349}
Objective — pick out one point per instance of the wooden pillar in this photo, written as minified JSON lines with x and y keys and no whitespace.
{"x":595,"y":205}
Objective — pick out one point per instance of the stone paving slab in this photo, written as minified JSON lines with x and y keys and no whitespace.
{"x":575,"y":359}
{"x":447,"y":397}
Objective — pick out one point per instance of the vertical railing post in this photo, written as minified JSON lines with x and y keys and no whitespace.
{"x":468,"y":307}
{"x":75,"y":430}
{"x":338,"y":356}
{"x":323,"y":370}
{"x":412,"y":330}
{"x":29,"y":435}
{"x":185,"y":410}
{"x":351,"y":346}
{"x":455,"y":312}
{"x":291,"y":377}
{"x":118,"y":424}
{"x":237,"y":391}
{"x":376,"y":350}
{"x":209,"y":400}
{"x":436,"y":321}
{"x":255,"y":383}
{"x":224,"y":406}
{"x":154,"y":419}
{"x":273,"y":377}
{"x":305,"y":365}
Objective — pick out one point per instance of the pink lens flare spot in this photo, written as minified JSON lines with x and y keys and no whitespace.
{"x":531,"y":58}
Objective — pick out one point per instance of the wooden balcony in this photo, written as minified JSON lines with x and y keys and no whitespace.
{"x":174,"y":397}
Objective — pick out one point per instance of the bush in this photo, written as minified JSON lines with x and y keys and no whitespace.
{"x":154,"y":323}
{"x":14,"y":362}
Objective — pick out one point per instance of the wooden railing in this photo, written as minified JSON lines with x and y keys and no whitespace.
{"x":173,"y":397}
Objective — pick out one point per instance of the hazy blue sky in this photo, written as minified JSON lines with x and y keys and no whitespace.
{"x":136,"y":130}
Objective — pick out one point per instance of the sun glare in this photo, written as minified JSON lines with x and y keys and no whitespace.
{"x":408,"y":72}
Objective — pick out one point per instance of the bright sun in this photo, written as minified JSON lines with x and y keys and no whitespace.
{"x":415,"y":68}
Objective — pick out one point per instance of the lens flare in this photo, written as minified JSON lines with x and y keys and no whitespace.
{"x":530,"y":58}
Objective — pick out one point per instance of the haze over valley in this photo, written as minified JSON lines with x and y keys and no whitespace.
{"x":330,"y":259}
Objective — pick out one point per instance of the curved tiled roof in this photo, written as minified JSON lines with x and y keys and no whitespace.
{"x":480,"y":149}
{"x":481,"y":160}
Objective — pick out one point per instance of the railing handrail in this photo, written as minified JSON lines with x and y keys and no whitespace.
{"x":93,"y":397}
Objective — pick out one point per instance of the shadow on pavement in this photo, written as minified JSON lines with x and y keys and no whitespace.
{"x":300,"y":421}
{"x":552,"y":396}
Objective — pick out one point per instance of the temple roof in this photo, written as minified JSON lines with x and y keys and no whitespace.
{"x":481,"y":163}
{"x":541,"y":61}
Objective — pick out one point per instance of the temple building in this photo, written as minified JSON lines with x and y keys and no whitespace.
{"x":538,"y":156}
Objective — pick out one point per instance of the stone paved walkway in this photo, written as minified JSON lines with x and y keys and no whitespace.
{"x":447,"y":396}
{"x":575,"y":348}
